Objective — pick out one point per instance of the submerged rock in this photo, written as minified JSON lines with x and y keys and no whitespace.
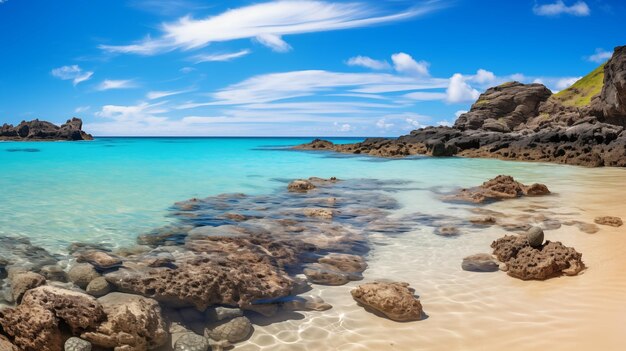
{"x":82,"y":274}
{"x":133,"y":323}
{"x":191,"y":342}
{"x":98,"y":287}
{"x":609,"y":220}
{"x":395,"y":300}
{"x":546,"y":261}
{"x":300,"y":185}
{"x":499,"y":188}
{"x":101,"y":261}
{"x":481,"y":262}
{"x":233,"y":331}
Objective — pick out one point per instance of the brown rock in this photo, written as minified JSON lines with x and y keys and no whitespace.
{"x":323,"y":213}
{"x":101,"y":261}
{"x":481,"y":262}
{"x":609,"y":220}
{"x":6,"y":344}
{"x":525,"y":262}
{"x":134,"y":323}
{"x":499,"y":188}
{"x":300,"y":186}
{"x":395,"y":300}
{"x":82,"y":274}
{"x":24,"y":281}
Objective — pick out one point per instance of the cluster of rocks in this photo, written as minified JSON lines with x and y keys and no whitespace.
{"x":516,"y":121}
{"x":192,"y":284}
{"x":501,"y":187}
{"x":42,"y":130}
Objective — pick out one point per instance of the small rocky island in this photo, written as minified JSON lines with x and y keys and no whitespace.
{"x":37,"y":130}
{"x":582,"y":125}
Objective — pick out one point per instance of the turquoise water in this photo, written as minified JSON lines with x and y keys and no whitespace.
{"x":112,"y":189}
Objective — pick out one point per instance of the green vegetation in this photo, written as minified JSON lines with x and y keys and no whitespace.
{"x":581,"y":92}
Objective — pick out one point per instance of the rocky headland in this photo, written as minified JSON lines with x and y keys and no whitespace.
{"x":37,"y":130}
{"x":582,"y":125}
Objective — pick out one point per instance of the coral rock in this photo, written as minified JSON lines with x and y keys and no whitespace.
{"x":395,"y":300}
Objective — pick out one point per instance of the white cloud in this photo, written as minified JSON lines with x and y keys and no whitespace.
{"x":153,"y":95}
{"x":459,"y":91}
{"x":579,"y":8}
{"x":345,"y":127}
{"x":444,"y":124}
{"x":565,"y":83}
{"x":404,"y":63}
{"x":220,"y":57}
{"x":267,"y":22}
{"x":81,"y":109}
{"x":484,"y":77}
{"x":73,"y":73}
{"x":600,"y":56}
{"x":186,"y":70}
{"x":425,"y":96}
{"x":368,"y":62}
{"x":382,"y":124}
{"x":109,"y":84}
{"x":458,"y":113}
{"x":274,"y":42}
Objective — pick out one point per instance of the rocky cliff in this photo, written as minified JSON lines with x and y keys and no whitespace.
{"x":42,"y":130}
{"x":582,"y":125}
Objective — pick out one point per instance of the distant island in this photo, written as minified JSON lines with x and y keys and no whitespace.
{"x":37,"y":130}
{"x":581,"y":125}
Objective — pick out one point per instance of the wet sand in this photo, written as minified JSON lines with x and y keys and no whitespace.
{"x":482,"y":311}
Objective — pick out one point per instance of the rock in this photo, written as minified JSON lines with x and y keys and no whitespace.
{"x":6,"y":344}
{"x":499,"y":188}
{"x":394,"y":300}
{"x":317,"y":144}
{"x":483,"y":220}
{"x":326,"y":274}
{"x":509,"y":104}
{"x":299,"y":303}
{"x":440,"y":149}
{"x":322,"y":213}
{"x":588,"y":228}
{"x":612,"y":100}
{"x":191,"y":342}
{"x":610,"y":221}
{"x":24,"y":281}
{"x":35,"y":323}
{"x":447,"y":231}
{"x":234,"y":330}
{"x":100,"y":260}
{"x":525,"y":262}
{"x":481,"y":262}
{"x":77,"y":344}
{"x":41,"y":130}
{"x":98,"y":287}
{"x":222,"y":313}
{"x":535,"y":237}
{"x":54,"y":272}
{"x":133,"y":323}
{"x":82,"y":274}
{"x":345,"y":262}
{"x":300,"y":186}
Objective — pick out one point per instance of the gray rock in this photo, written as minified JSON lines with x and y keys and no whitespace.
{"x":535,"y":236}
{"x":54,"y":272}
{"x":82,"y":274}
{"x":191,"y":342}
{"x":98,"y":287}
{"x":77,"y":344}
{"x":235,"y":330}
{"x":481,"y":262}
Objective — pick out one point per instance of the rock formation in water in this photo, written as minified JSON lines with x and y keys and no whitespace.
{"x":396,"y":301}
{"x":501,"y":187}
{"x":37,"y":130}
{"x":581,"y":125}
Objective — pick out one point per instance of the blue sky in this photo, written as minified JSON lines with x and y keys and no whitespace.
{"x":301,"y":68}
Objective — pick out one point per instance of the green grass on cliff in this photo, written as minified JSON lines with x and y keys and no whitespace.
{"x":581,"y":92}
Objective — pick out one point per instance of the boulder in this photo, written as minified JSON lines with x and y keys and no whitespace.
{"x":77,"y":344}
{"x":394,"y":300}
{"x":98,"y":287}
{"x":82,"y":274}
{"x":499,"y":188}
{"x":609,"y":220}
{"x":23,"y":281}
{"x":234,"y":330}
{"x":191,"y":342}
{"x":133,"y":323}
{"x":546,"y":261}
{"x":100,"y":260}
{"x":54,"y":273}
{"x":481,"y":262}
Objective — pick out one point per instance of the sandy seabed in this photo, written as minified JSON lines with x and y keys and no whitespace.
{"x":481,"y":311}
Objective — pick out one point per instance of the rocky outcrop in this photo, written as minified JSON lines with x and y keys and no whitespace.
{"x":133,"y":323}
{"x":525,"y":262}
{"x":394,"y":300}
{"x":505,"y":107}
{"x":501,"y":187}
{"x":42,"y":130}
{"x":525,"y":122}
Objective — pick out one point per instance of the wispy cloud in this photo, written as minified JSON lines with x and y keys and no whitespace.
{"x":154,"y":95}
{"x":368,"y":62}
{"x":109,"y":84}
{"x":579,"y":8}
{"x":273,"y":41}
{"x":81,"y":109}
{"x":600,"y":56}
{"x":222,"y":57}
{"x":267,"y":22}
{"x":73,"y":73}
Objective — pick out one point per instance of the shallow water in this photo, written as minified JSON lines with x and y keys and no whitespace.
{"x":112,"y":189}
